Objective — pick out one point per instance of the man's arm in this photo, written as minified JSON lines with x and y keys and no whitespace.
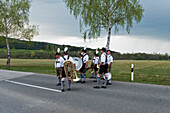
{"x":86,"y":64}
{"x":87,"y":59}
{"x":101,"y":64}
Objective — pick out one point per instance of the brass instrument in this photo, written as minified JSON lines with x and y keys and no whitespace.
{"x":70,"y":70}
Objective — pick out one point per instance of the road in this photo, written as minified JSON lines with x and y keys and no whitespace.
{"x":22,"y":92}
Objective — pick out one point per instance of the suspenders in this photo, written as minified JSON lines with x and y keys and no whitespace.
{"x":83,"y":57}
{"x":106,"y":60}
{"x":67,"y":58}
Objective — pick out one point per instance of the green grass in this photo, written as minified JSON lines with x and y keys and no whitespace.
{"x":150,"y":72}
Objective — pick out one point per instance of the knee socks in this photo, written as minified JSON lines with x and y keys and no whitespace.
{"x":105,"y":83}
{"x":69,"y":83}
{"x":98,"y":81}
{"x":62,"y":85}
{"x":59,"y":79}
{"x":84,"y":77}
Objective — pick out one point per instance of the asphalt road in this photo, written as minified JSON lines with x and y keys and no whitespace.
{"x":22,"y":92}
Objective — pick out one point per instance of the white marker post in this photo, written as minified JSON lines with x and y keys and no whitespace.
{"x":132,"y":72}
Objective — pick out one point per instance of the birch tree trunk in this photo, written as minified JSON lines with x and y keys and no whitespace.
{"x":9,"y":53}
{"x":7,"y":46}
{"x":108,"y":39}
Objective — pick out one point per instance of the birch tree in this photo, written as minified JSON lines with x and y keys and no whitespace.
{"x":14,"y":22}
{"x":108,"y":15}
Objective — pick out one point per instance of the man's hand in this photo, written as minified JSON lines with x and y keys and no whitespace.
{"x":109,"y":65}
{"x":86,"y":64}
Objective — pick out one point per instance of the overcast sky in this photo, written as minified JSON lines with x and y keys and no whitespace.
{"x":151,"y":35}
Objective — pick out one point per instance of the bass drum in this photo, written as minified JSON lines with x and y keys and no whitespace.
{"x":78,"y":63}
{"x":109,"y":75}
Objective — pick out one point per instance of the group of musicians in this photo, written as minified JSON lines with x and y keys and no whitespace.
{"x":100,"y":67}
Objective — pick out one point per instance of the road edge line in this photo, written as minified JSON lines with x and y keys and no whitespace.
{"x":34,"y":86}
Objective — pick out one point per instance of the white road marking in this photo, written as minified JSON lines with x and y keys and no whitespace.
{"x":29,"y":85}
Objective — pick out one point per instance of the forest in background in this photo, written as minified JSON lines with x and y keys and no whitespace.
{"x":21,"y":49}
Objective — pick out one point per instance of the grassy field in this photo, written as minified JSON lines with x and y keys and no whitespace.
{"x":151,"y":72}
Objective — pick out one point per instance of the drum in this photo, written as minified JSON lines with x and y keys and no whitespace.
{"x":78,"y":63}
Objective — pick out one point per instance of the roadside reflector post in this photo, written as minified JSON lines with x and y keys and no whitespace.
{"x":132,"y":72}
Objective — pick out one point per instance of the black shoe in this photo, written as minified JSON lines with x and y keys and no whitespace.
{"x":95,"y":81}
{"x":68,"y":89}
{"x":59,"y":84}
{"x":103,"y":87}
{"x":109,"y":83}
{"x":62,"y":90}
{"x":83,"y":82}
{"x":96,"y":87}
{"x":78,"y":81}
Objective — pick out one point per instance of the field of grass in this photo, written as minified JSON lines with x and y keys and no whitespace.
{"x":151,"y":72}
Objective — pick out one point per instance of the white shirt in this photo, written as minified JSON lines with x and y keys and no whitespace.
{"x":85,"y":58}
{"x":103,"y":58}
{"x":96,"y":61}
{"x":93,"y":60}
{"x":70,"y":58}
{"x":109,"y":59}
{"x":59,"y":62}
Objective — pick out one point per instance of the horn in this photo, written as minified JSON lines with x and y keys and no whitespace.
{"x":70,"y":70}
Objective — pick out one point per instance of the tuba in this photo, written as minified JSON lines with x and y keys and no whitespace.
{"x":70,"y":70}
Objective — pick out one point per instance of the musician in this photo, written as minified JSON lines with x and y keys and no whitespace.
{"x":109,"y":62}
{"x":66,"y":57}
{"x":92,"y":65}
{"x":103,"y":69}
{"x":59,"y":66}
{"x":96,"y":62}
{"x":85,"y":59}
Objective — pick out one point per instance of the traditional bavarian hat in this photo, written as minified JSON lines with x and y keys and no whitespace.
{"x":103,"y":49}
{"x":58,"y":52}
{"x":66,"y":50}
{"x":84,"y":50}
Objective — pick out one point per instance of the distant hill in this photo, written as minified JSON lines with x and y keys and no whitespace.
{"x":22,"y":49}
{"x":33,"y":45}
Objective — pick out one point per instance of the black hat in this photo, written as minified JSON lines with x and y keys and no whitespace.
{"x":96,"y":53}
{"x":103,"y":49}
{"x":84,"y":50}
{"x":57,"y":53}
{"x":108,"y":50}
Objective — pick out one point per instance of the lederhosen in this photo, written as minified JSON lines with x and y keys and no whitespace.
{"x":95,"y":68}
{"x":63,"y":71}
{"x":59,"y":69}
{"x":83,"y":68}
{"x":103,"y":68}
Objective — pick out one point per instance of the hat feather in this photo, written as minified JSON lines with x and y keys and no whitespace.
{"x":58,"y":50}
{"x":65,"y":49}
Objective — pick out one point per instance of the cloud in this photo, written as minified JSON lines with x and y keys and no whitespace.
{"x":122,"y":44}
{"x":57,"y":24}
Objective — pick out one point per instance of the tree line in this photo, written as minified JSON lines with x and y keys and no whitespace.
{"x":44,"y":54}
{"x":22,"y":49}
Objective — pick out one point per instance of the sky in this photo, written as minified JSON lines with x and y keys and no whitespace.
{"x":151,"y":35}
